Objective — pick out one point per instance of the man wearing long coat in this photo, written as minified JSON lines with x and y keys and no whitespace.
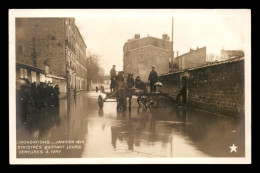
{"x":153,"y":78}
{"x":113,"y":78}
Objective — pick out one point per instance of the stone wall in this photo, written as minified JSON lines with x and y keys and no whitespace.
{"x":140,"y":61}
{"x":217,"y":88}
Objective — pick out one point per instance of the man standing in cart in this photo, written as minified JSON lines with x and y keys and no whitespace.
{"x":113,"y":78}
{"x":153,"y":78}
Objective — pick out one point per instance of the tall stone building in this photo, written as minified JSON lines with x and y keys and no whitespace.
{"x":140,"y":54}
{"x":51,"y":50}
{"x":75,"y":56}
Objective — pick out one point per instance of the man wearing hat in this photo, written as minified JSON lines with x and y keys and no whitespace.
{"x":153,"y":78}
{"x":113,"y":78}
{"x":140,"y":84}
{"x":120,"y":77}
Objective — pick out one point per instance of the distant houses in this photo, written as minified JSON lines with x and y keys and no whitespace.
{"x":140,"y":54}
{"x":190,"y":59}
{"x":198,"y":57}
{"x":229,"y":54}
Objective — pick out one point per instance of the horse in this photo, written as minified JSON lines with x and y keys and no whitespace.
{"x":124,"y":89}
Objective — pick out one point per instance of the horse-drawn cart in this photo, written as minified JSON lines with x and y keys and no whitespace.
{"x":144,"y":99}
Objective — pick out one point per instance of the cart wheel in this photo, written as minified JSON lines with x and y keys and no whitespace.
{"x":140,"y":101}
{"x":147,"y":102}
{"x":100,"y":101}
{"x":154,"y":102}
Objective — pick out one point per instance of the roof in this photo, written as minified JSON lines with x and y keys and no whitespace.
{"x":234,"y":52}
{"x":131,"y":40}
{"x":81,"y":36}
{"x":30,"y":67}
{"x":205,"y":65}
{"x":148,"y":40}
{"x":191,"y":52}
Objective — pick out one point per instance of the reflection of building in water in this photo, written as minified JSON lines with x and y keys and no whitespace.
{"x":40,"y":123}
{"x":76,"y":128}
{"x":55,"y":124}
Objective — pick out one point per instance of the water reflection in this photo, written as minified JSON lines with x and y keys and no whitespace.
{"x":42,"y":121}
{"x":100,"y":112}
{"x":164,"y":132}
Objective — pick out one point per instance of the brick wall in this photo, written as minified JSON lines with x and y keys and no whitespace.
{"x":42,"y":41}
{"x":216,"y":88}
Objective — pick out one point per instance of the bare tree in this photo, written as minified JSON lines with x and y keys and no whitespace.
{"x":95,"y":71}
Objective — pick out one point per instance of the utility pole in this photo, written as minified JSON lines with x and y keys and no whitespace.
{"x":172,"y":53}
{"x":66,"y":62}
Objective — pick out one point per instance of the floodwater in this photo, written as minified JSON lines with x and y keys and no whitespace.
{"x":79,"y":129}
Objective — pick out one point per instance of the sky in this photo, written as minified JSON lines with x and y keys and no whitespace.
{"x":106,"y":31}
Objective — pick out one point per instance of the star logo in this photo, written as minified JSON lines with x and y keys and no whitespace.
{"x":233,"y":148}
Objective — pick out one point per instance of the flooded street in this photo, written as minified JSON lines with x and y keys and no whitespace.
{"x":168,"y":131}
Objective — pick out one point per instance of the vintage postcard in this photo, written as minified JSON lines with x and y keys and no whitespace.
{"x":130,"y":86}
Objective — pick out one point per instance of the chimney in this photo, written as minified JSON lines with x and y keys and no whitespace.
{"x":137,"y":36}
{"x":165,"y":37}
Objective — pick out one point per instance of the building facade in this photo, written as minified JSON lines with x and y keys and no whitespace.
{"x":44,"y":47}
{"x":75,"y":56}
{"x":229,"y":54}
{"x":192,"y":59}
{"x":140,"y":54}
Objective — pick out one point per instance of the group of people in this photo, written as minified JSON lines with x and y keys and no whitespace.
{"x":124,"y":87}
{"x":102,"y":88}
{"x":45,"y":95}
{"x":30,"y":96}
{"x":138,"y":83}
{"x":38,"y":96}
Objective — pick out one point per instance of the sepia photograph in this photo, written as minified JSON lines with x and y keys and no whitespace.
{"x":130,"y":86}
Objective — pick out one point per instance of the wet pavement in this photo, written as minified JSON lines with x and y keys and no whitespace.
{"x":78,"y":128}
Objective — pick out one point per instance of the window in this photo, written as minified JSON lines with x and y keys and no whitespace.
{"x":33,"y":76}
{"x":47,"y":69}
{"x":42,"y":77}
{"x":20,"y":49}
{"x":21,"y":72}
{"x":25,"y":73}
